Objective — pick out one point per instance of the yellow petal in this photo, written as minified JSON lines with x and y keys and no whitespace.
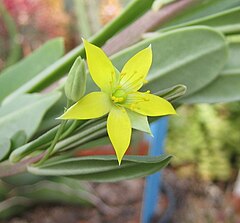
{"x":101,"y":69}
{"x":93,"y":105}
{"x":149,"y":104}
{"x":119,"y":131}
{"x":136,"y":69}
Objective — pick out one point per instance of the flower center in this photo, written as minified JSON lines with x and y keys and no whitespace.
{"x":119,"y":96}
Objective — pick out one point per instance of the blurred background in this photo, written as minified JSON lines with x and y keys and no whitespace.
{"x":204,"y":139}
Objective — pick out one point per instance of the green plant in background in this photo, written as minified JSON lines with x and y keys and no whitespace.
{"x":199,"y":139}
{"x":14,"y":53}
{"x":185,"y":53}
{"x":213,"y":145}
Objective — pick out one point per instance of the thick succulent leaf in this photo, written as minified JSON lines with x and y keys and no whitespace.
{"x":5,"y":147}
{"x":172,"y":93}
{"x":191,"y":56}
{"x":29,"y":67}
{"x":13,"y":206}
{"x":18,"y":139}
{"x":225,"y":88}
{"x":56,"y":110}
{"x":21,"y":179}
{"x":50,"y":191}
{"x":103,"y":168}
{"x":205,"y":8}
{"x":227,"y":21}
{"x":24,"y":113}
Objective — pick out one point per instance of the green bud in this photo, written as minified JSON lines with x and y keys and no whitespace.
{"x":75,"y":85}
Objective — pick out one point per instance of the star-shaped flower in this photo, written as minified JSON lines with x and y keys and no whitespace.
{"x":119,"y":96}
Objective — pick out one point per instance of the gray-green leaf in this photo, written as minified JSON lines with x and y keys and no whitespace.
{"x":103,"y":168}
{"x":20,"y":73}
{"x":24,"y":113}
{"x":226,"y":87}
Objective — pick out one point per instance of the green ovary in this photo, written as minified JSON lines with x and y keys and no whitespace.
{"x":119,"y":96}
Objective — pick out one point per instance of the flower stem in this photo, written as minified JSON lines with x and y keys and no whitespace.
{"x":56,"y":138}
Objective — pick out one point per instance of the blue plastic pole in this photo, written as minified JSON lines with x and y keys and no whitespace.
{"x":153,"y":182}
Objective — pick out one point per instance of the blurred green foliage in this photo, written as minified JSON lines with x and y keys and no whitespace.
{"x":206,"y":137}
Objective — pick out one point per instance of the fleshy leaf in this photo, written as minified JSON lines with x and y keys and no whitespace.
{"x":101,"y":69}
{"x":119,"y":131}
{"x":136,"y":69}
{"x":5,"y":147}
{"x":25,"y":113}
{"x":102,"y":168}
{"x":93,"y":105}
{"x":29,"y":67}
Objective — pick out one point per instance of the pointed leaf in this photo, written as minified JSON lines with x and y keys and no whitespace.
{"x":225,"y":88}
{"x":24,"y":113}
{"x":205,"y":8}
{"x":226,"y":21}
{"x":5,"y":147}
{"x":30,"y":66}
{"x":103,"y":168}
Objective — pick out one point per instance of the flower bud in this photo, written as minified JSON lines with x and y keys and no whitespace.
{"x":75,"y":85}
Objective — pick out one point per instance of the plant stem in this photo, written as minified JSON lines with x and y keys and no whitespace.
{"x":79,"y":136}
{"x":53,"y":144}
{"x":71,"y":128}
{"x":56,"y":138}
{"x":146,"y":23}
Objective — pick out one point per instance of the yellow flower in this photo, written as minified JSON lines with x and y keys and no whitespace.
{"x":119,"y":96}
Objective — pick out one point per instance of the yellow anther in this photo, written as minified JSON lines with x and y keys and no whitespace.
{"x":122,"y":75}
{"x":119,"y":96}
{"x":120,"y":99}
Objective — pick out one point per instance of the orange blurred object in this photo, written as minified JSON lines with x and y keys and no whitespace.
{"x":38,"y":21}
{"x":140,"y":149}
{"x":109,"y":9}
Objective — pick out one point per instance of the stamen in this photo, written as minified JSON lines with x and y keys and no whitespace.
{"x":134,"y":100}
{"x":129,"y":78}
{"x":134,"y":83}
{"x":111,"y":82}
{"x":122,"y":75}
{"x":112,"y":75}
